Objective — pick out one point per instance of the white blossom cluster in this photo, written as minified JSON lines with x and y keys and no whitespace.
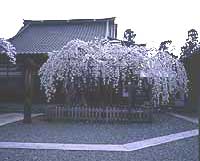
{"x":9,"y":49}
{"x":168,"y":76}
{"x":113,"y":63}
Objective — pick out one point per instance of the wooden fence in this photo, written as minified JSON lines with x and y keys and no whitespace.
{"x":101,"y":113}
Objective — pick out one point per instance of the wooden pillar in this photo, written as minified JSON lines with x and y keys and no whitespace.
{"x":30,"y":67}
{"x":28,"y":95}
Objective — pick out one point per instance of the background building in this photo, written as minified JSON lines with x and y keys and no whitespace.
{"x":34,"y":40}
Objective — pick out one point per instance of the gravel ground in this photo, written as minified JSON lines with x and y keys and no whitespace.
{"x":182,"y":150}
{"x":77,"y":132}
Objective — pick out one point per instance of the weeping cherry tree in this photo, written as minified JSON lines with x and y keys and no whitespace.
{"x":113,"y":63}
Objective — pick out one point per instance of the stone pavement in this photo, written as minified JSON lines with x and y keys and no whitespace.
{"x":7,"y":118}
{"x":190,"y":119}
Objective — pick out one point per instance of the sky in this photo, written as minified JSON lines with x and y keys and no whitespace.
{"x":152,"y":20}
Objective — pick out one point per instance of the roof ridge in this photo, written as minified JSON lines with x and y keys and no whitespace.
{"x":67,"y":21}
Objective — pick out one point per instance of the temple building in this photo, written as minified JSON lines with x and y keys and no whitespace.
{"x":33,"y":42}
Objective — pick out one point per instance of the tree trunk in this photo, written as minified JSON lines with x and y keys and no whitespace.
{"x":28,"y":95}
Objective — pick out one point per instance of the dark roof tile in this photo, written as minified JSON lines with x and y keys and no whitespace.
{"x":49,"y":35}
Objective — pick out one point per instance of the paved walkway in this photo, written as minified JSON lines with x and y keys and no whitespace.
{"x":102,"y":147}
{"x":13,"y":117}
{"x":190,"y":119}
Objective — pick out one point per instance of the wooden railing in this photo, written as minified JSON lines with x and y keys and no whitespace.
{"x":101,"y":113}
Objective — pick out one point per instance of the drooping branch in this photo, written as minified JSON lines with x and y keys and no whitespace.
{"x":112,"y":63}
{"x":9,"y":49}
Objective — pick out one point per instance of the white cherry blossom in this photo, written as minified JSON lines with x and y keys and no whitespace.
{"x":113,"y":63}
{"x":9,"y":49}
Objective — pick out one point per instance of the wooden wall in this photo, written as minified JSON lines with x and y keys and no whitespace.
{"x":12,"y":85}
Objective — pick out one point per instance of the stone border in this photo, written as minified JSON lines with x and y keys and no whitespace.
{"x":102,"y":147}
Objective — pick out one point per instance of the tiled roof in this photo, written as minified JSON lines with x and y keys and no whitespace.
{"x":48,"y":35}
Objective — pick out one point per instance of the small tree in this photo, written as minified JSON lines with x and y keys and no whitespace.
{"x":113,"y":63}
{"x":190,"y":57}
{"x":192,"y":46}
